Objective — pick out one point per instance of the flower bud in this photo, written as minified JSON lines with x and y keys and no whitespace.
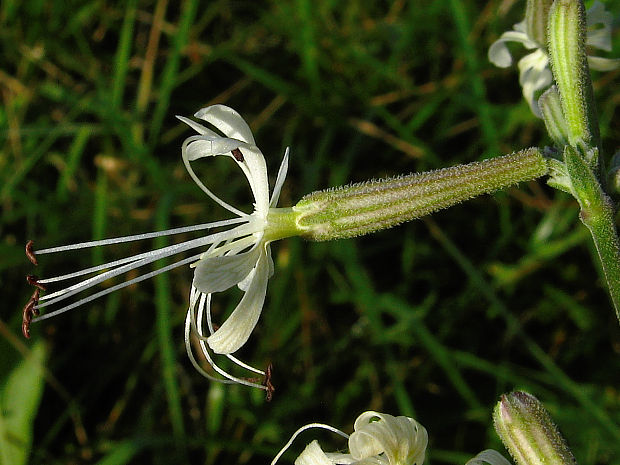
{"x":567,"y":51}
{"x":527,"y":431}
{"x":536,"y":15}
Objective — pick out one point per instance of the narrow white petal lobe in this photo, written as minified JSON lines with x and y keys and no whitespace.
{"x":237,"y":328}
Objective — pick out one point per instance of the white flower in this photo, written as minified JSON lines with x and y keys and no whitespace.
{"x":534,"y":72}
{"x":239,"y":256}
{"x":378,"y":439}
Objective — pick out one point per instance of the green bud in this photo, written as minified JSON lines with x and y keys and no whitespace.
{"x":566,"y":34}
{"x":558,"y":176}
{"x":366,"y":207}
{"x":536,"y":14}
{"x":527,"y":431}
{"x":613,"y":175}
{"x":551,"y":108}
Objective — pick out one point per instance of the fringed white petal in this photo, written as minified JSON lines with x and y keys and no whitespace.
{"x":228,"y":121}
{"x":216,"y":274}
{"x":236,"y":330}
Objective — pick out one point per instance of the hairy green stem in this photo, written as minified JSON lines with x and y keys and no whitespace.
{"x":597,"y":213}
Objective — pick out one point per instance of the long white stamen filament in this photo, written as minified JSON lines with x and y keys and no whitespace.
{"x":215,"y":238}
{"x":150,"y":235}
{"x":111,"y":289}
{"x":149,"y":257}
{"x":194,"y":325}
{"x":232,"y":246}
{"x":229,"y":356}
{"x":207,"y":355}
{"x":190,"y":354}
{"x":301,"y":430}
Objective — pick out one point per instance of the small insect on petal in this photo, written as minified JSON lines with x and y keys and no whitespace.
{"x":237,"y":154}
{"x":30,"y":253}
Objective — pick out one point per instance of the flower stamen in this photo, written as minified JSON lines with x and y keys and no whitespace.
{"x":30,"y":253}
{"x":199,"y":302}
{"x":34,"y":281}
{"x":28,"y":311}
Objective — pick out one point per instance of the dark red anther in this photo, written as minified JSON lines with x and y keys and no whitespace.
{"x":28,"y":312}
{"x":27,"y":318}
{"x":237,"y":154}
{"x":35,"y":300}
{"x":30,"y":253}
{"x":26,"y":329}
{"x":33,"y":281}
{"x":267,"y":383}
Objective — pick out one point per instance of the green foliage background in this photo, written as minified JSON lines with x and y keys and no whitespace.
{"x":433,"y":319}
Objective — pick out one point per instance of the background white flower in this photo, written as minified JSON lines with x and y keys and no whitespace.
{"x":378,"y":439}
{"x":534,"y":72}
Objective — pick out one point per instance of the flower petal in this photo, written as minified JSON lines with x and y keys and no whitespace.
{"x":253,"y":164}
{"x":534,"y":75}
{"x":603,"y":64}
{"x":216,"y":274}
{"x":255,"y":170}
{"x":236,"y":330}
{"x":199,"y":128}
{"x":401,"y":439}
{"x":206,"y":147}
{"x":313,"y":455}
{"x":228,"y":121}
{"x":498,"y":52}
{"x":490,"y":456}
{"x":275,"y":195}
{"x":599,"y":37}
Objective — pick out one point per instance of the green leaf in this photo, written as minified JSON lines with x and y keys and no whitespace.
{"x":20,"y":395}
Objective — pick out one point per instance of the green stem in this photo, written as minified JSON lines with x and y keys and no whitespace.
{"x":597,"y":213}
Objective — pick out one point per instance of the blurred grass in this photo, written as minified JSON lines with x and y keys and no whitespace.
{"x":433,"y":319}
